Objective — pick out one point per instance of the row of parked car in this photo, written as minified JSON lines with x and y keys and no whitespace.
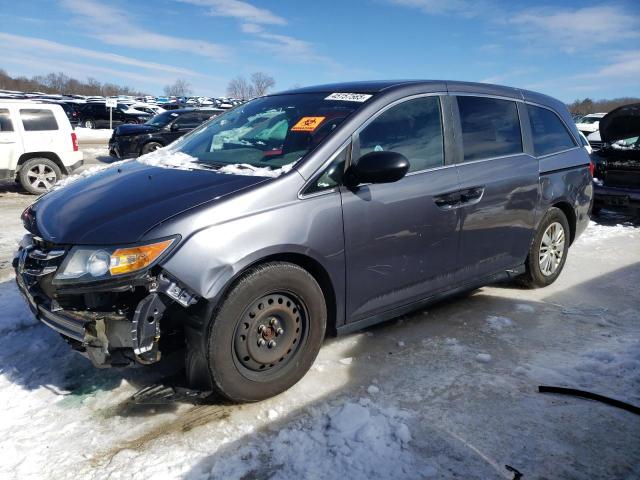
{"x":38,"y":144}
{"x":85,"y":111}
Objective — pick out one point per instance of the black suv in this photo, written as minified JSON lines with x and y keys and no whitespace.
{"x":129,"y":141}
{"x":96,"y":115}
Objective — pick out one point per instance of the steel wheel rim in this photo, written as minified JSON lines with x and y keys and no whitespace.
{"x":270,"y":333}
{"x":88,"y":124}
{"x":551,"y":249}
{"x":41,"y":177}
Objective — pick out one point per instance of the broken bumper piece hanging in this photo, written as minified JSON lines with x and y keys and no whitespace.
{"x":118,"y":322}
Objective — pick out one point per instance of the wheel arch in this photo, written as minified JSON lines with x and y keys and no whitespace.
{"x":308,"y":263}
{"x":566,"y":208}
{"x":48,"y":155}
{"x":148,"y":141}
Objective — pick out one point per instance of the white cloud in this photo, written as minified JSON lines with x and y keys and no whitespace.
{"x":238,"y":9}
{"x":115,"y":27}
{"x":577,"y":29}
{"x":461,"y":8}
{"x":31,"y":44}
{"x":253,"y":19}
{"x":251,"y":28}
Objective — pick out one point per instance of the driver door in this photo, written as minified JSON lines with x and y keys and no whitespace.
{"x":401,"y":239}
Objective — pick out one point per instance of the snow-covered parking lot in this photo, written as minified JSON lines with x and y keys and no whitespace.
{"x":450,"y":392}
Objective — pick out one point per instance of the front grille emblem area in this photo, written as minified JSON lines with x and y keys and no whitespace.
{"x":37,"y":262}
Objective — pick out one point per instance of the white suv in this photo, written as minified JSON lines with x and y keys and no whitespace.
{"x":37,"y":144}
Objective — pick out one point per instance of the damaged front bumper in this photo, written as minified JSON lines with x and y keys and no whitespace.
{"x":113,"y":323}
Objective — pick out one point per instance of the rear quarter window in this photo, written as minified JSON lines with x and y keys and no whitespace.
{"x":549,"y":133}
{"x":5,"y":121}
{"x":490,"y":127}
{"x":38,"y":119}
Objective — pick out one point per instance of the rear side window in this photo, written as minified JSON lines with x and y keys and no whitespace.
{"x":549,"y":133}
{"x":5,"y":121}
{"x":412,"y":128}
{"x":490,"y":127}
{"x":37,"y":119}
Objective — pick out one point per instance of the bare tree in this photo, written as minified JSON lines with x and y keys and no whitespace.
{"x":180,"y":88}
{"x":240,"y":88}
{"x":262,"y":83}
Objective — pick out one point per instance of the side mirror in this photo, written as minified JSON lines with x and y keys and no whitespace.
{"x":175,"y":127}
{"x":377,"y":167}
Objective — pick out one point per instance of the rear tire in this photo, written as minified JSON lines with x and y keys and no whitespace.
{"x":89,"y":123}
{"x":548,"y":251}
{"x":38,"y":175}
{"x":265,"y":335}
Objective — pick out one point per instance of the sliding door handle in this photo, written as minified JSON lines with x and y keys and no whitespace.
{"x":471,"y":195}
{"x":447,"y":201}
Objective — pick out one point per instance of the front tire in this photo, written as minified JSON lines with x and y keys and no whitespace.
{"x":89,"y":123}
{"x":266,"y":334}
{"x":150,"y":147}
{"x":38,"y":175}
{"x":548,"y":251}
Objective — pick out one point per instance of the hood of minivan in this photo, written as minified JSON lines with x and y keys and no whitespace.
{"x":623,"y":122}
{"x":119,"y":204}
{"x":134,"y":129}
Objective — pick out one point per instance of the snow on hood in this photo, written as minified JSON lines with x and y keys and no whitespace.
{"x":168,"y":158}
{"x":84,"y":174}
{"x":251,"y":170}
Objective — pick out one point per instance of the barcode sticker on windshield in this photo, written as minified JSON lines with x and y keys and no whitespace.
{"x":349,"y":97}
{"x":307,"y":124}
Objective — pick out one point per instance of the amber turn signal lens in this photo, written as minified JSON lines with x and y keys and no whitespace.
{"x":126,"y":260}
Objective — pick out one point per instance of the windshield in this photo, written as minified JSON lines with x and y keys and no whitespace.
{"x":267,"y":132}
{"x":632,"y":143}
{"x":161,"y":119}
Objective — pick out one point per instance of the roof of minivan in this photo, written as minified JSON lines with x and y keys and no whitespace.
{"x":377,"y":86}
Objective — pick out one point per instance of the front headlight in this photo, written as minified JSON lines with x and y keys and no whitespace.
{"x":89,"y":264}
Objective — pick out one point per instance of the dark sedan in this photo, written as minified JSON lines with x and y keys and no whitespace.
{"x":130,"y":141}
{"x":617,"y":163}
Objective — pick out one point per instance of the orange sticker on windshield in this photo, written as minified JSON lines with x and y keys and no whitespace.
{"x":307,"y":124}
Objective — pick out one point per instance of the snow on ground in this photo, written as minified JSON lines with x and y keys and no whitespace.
{"x":448,"y":394}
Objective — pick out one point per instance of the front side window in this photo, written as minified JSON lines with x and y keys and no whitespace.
{"x":5,"y":121}
{"x":269,"y":132}
{"x":412,"y":128}
{"x":38,"y":119}
{"x":490,"y":127}
{"x":549,"y":133}
{"x":332,"y":176}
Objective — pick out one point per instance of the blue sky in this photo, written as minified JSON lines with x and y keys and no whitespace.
{"x":570,"y":49}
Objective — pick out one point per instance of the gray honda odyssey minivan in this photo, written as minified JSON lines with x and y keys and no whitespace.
{"x":319,"y":210}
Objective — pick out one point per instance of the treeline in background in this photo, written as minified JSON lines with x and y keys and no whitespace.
{"x":59,"y":83}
